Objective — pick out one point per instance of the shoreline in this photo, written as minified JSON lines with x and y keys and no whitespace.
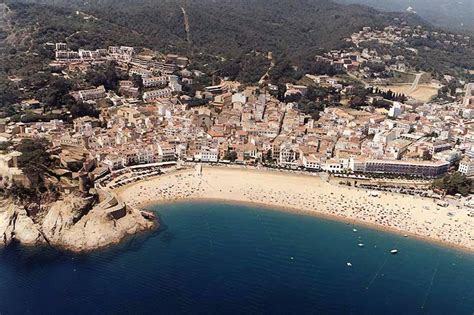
{"x":323,"y":195}
{"x":319,"y":215}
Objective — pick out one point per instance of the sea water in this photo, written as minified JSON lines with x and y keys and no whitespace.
{"x":210,"y":258}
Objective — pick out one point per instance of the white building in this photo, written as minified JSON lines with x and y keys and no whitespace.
{"x":466,"y":167}
{"x":207,"y":155}
{"x":154,"y":81}
{"x":113,"y":162}
{"x":289,"y":154}
{"x":90,"y":95}
{"x":166,"y":152}
{"x":333,"y":166}
{"x":157,"y":94}
{"x":311,"y":162}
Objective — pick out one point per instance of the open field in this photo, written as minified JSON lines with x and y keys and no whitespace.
{"x":423,"y":92}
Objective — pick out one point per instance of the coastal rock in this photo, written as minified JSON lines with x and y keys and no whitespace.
{"x":74,"y":223}
{"x":26,"y":231}
{"x":78,"y":225}
{"x":97,"y":229}
{"x":16,"y":225}
{"x":62,"y":215}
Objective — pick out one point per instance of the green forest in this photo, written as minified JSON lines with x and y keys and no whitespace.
{"x":227,"y":38}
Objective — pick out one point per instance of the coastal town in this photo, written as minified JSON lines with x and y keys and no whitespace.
{"x":157,"y":119}
{"x":248,"y":157}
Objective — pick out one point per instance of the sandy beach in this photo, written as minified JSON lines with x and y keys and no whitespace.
{"x":414,"y":216}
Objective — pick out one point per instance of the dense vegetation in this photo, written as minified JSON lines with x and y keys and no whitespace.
{"x":227,"y":27}
{"x":236,"y":30}
{"x":227,"y":38}
{"x":455,"y":183}
{"x":444,"y":13}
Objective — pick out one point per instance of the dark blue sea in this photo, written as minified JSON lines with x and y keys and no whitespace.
{"x":229,"y":259}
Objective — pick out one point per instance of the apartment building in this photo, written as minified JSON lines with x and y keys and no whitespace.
{"x":413,"y":168}
{"x":466,"y":166}
{"x":157,"y":94}
{"x":90,"y":94}
{"x":154,"y":81}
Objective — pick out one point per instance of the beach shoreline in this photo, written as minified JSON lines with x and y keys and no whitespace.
{"x":353,"y":222}
{"x":239,"y":186}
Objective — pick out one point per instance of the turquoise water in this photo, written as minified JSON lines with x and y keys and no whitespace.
{"x":229,"y":259}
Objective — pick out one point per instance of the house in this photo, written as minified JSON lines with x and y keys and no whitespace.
{"x":289,"y":154}
{"x":311,"y":162}
{"x":246,"y":151}
{"x":30,"y":104}
{"x":207,"y":154}
{"x":90,"y":94}
{"x":10,"y":170}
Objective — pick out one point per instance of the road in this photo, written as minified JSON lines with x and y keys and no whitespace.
{"x":366,"y":85}
{"x":272,"y":64}
{"x":186,"y":25}
{"x":415,"y":83}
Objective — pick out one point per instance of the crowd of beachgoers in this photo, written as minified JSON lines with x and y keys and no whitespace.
{"x":411,"y":215}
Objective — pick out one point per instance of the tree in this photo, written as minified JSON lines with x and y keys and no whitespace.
{"x":455,"y":183}
{"x":34,"y":159}
{"x":269,"y":156}
{"x":4,"y":145}
{"x":81,"y":109}
{"x":358,"y":101}
{"x":231,"y":156}
{"x":426,"y":155}
{"x":311,"y":108}
{"x":137,"y":81}
{"x":106,"y":76}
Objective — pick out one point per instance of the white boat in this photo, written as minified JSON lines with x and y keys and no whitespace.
{"x":394,"y":251}
{"x":360,"y":245}
{"x":354,"y":230}
{"x":349,"y":264}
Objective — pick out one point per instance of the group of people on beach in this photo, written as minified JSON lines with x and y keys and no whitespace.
{"x":419,"y":216}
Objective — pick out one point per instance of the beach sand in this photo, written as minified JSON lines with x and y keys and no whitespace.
{"x":410,"y":215}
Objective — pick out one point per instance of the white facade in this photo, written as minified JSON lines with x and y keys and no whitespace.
{"x":311,"y":163}
{"x":466,"y":167}
{"x":154,"y":81}
{"x":156,"y":94}
{"x":208,"y":155}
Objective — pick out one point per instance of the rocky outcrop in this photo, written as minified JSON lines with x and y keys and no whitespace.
{"x":16,"y":225}
{"x":74,"y":223}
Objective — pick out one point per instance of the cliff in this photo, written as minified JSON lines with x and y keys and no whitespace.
{"x":74,"y":223}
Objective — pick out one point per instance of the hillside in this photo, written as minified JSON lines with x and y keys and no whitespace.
{"x":231,"y":37}
{"x":450,"y":14}
{"x":296,"y":28}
